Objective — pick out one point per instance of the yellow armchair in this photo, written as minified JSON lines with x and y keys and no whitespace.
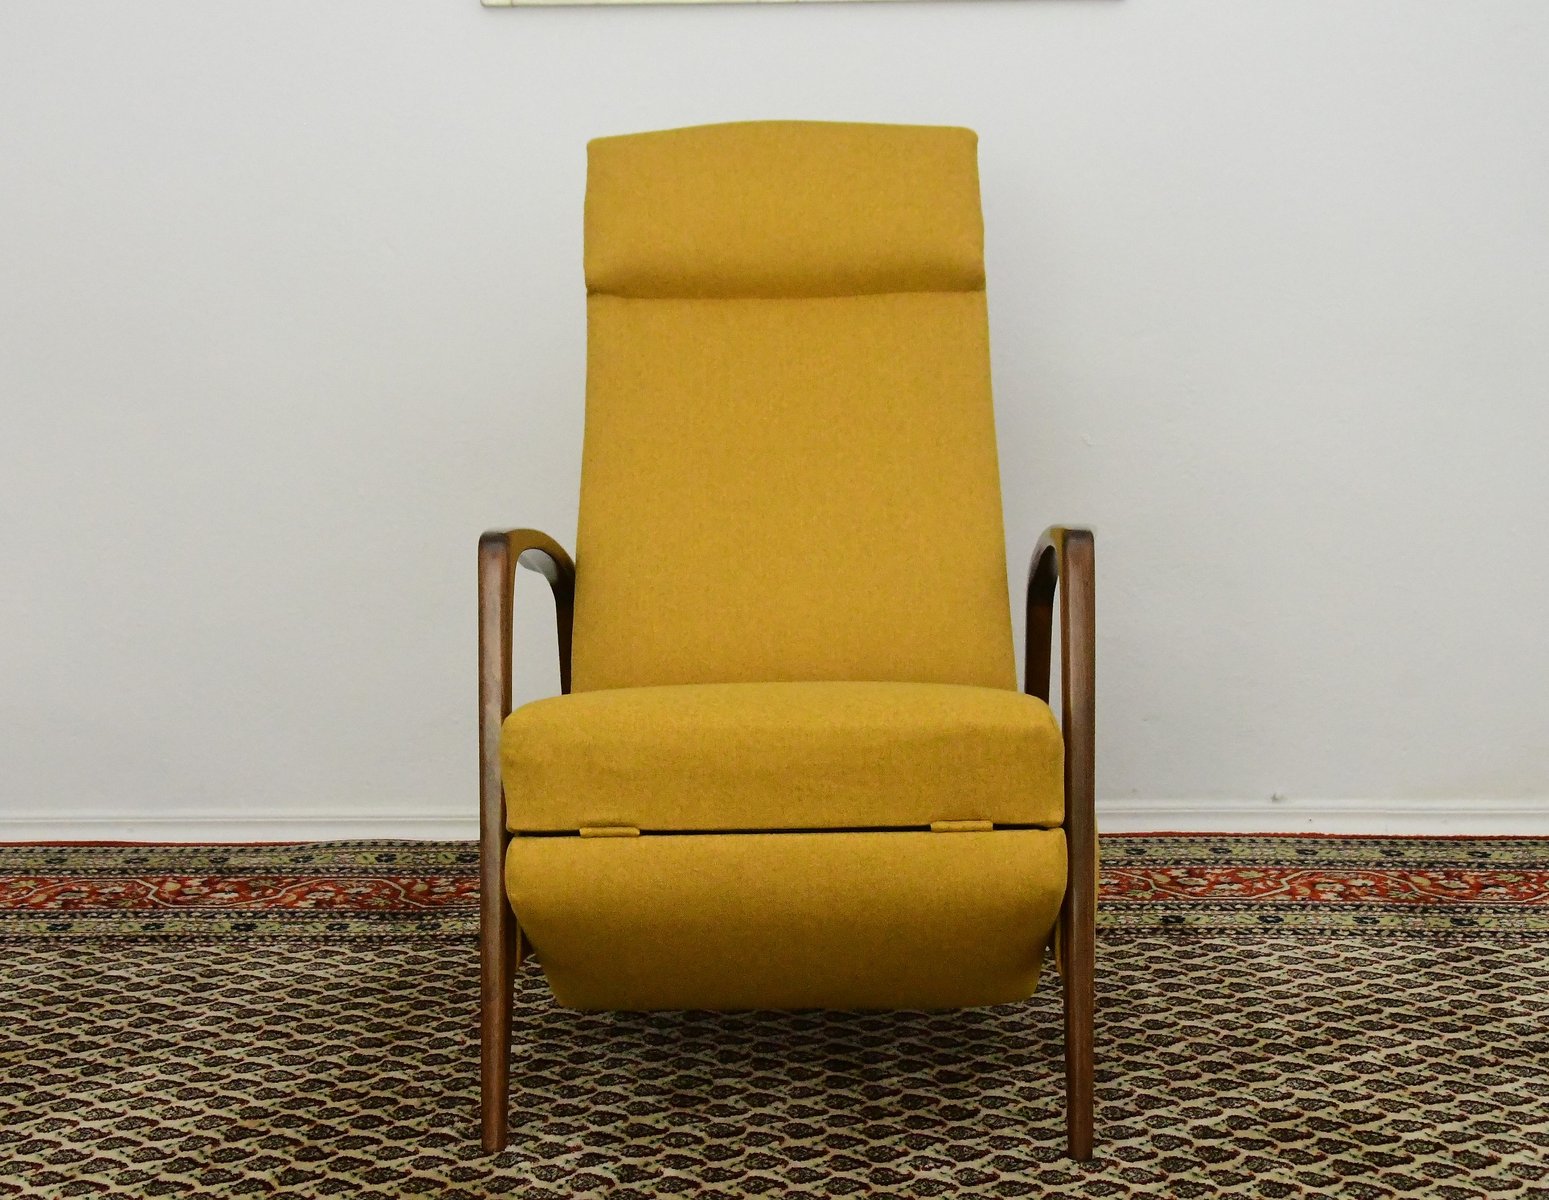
{"x":791,"y":767}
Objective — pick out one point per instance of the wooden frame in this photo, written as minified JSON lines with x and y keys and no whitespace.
{"x":1064,"y":557}
{"x":499,"y":951}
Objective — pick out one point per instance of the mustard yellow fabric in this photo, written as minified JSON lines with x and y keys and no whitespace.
{"x":791,"y":597}
{"x":789,"y":469}
{"x":784,"y":208}
{"x":789,"y":490}
{"x":782,"y":756}
{"x":821,"y":920}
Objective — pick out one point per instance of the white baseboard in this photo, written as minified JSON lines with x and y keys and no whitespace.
{"x":1435,"y":818}
{"x":1451,"y":817}
{"x":338,"y":827}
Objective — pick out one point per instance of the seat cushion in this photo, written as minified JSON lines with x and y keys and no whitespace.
{"x":746,"y":756}
{"x":789,"y":920}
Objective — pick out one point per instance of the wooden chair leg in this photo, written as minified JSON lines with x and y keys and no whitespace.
{"x":497,"y":979}
{"x":499,"y":937}
{"x":1066,"y":557}
{"x":1078,"y":950}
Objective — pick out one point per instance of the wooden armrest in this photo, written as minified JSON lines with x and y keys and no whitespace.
{"x":1065,"y":557}
{"x":500,"y":553}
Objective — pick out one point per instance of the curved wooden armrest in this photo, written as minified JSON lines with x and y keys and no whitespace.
{"x":500,"y":553}
{"x":1065,"y":557}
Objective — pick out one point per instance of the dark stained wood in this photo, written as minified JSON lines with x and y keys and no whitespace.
{"x":499,"y":554}
{"x":1067,"y":557}
{"x":1041,"y":579}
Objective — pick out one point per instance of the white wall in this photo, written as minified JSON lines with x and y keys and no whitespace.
{"x":290,"y":309}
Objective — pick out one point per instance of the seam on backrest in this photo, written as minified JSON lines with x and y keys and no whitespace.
{"x":976,"y":291}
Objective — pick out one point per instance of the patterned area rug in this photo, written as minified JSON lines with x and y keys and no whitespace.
{"x":1278,"y":1017}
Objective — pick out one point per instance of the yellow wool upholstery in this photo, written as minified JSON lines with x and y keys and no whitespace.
{"x":789,"y":920}
{"x":789,"y":469}
{"x":784,"y":208}
{"x":777,"y":490}
{"x":782,"y":756}
{"x":791,"y":627}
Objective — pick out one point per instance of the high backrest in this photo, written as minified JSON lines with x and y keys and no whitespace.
{"x":789,"y":469}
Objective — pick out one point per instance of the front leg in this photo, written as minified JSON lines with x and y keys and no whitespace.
{"x":499,"y":938}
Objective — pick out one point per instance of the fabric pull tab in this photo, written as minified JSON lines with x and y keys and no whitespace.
{"x":961,"y":826}
{"x":609,"y":831}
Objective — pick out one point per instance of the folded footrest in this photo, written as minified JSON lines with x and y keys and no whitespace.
{"x":847,"y":920}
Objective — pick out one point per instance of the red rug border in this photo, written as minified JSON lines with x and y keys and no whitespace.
{"x":1149,"y":833}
